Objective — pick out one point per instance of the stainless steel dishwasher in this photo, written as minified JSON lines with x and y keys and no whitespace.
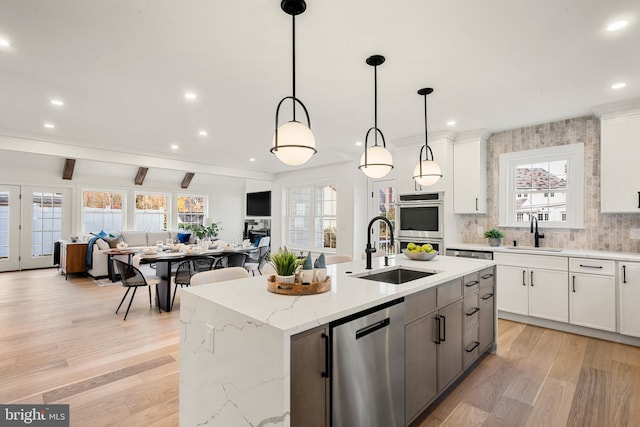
{"x":367,"y":382}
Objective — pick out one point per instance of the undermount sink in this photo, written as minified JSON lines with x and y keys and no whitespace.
{"x":395,"y":276}
{"x":530,"y":248}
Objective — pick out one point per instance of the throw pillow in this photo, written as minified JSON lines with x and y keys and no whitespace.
{"x":113,"y":241}
{"x":102,"y":245}
{"x":184,"y":237}
{"x":100,"y":234}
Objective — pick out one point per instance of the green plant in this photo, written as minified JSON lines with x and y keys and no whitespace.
{"x":201,"y":231}
{"x":494,"y":233}
{"x":285,"y":262}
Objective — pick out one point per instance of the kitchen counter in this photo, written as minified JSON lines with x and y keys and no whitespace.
{"x":579,"y":253}
{"x":245,"y":380}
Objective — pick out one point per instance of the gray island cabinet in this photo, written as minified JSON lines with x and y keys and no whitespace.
{"x":249,"y":357}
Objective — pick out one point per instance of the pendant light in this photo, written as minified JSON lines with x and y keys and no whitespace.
{"x":376,"y":161}
{"x":293,"y":142}
{"x":427,"y":172}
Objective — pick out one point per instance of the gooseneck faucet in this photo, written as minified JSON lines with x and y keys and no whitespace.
{"x":370,"y":249}
{"x":536,"y":236}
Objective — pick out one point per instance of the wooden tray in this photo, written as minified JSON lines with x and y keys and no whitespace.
{"x":297,"y":288}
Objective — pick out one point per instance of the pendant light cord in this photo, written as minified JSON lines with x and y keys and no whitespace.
{"x":426,"y":137}
{"x":375,"y":103}
{"x":293,"y":32}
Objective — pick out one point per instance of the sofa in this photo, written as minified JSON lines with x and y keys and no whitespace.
{"x":134,"y":240}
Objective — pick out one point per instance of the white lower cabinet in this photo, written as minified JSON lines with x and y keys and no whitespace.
{"x":593,"y":293}
{"x":629,"y":289}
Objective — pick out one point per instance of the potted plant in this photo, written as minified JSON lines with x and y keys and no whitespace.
{"x":201,"y":231}
{"x":285,"y":263}
{"x":494,"y":235}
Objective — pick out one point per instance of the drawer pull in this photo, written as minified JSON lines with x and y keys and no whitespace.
{"x":475,"y":345}
{"x":624,"y":274}
{"x":487,"y":276}
{"x":470,"y":284}
{"x":590,"y":266}
{"x":474,"y":311}
{"x":488,"y":296}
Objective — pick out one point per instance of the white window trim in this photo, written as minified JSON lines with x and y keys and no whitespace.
{"x":125,"y":196}
{"x":574,"y":153}
{"x":205,"y":210}
{"x":156,"y":193}
{"x":287,"y":216}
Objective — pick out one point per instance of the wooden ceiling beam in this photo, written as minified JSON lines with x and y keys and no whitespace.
{"x":187,"y":179}
{"x":67,"y":171}
{"x":142,"y":172}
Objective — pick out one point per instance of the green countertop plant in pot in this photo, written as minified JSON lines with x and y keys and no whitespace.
{"x":285,"y":263}
{"x":494,"y":235}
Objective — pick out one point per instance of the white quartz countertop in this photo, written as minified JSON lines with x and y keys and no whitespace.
{"x":616,"y":256}
{"x":348,"y":294}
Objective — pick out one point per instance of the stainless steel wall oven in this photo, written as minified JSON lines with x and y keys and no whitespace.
{"x":420,"y":216}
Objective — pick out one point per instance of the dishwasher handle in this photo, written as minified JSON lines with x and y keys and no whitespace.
{"x":360,"y":333}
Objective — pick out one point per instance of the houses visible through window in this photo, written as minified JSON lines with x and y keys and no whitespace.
{"x":191,"y":209}
{"x":150,"y":212}
{"x":311,"y":217}
{"x":102,"y":211}
{"x":546,"y":184}
{"x":46,"y":222}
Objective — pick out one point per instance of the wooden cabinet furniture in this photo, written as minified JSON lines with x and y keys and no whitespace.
{"x":487,"y":314}
{"x":629,"y":290}
{"x":470,"y":175}
{"x":533,"y":285}
{"x":73,"y":257}
{"x":309,"y":382}
{"x":593,"y":293}
{"x":619,"y":171}
{"x":470,"y":318}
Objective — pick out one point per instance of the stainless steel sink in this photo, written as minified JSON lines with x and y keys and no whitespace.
{"x":395,"y":276}
{"x":530,"y":248}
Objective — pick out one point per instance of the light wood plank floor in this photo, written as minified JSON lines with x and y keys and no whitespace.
{"x":60,"y":342}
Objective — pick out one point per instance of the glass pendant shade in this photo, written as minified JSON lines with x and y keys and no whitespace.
{"x":431,"y":173}
{"x":296,"y":144}
{"x":379,"y":162}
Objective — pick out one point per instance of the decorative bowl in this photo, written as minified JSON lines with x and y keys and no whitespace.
{"x":122,"y":245}
{"x":150,"y":250}
{"x":419,"y":256}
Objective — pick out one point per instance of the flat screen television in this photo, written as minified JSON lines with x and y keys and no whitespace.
{"x":259,"y":203}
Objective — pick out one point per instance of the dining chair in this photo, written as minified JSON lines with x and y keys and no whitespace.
{"x":252,"y":267}
{"x":132,"y":277}
{"x":219,"y":275}
{"x":236,"y":260}
{"x":186,"y":269}
{"x":336,"y":259}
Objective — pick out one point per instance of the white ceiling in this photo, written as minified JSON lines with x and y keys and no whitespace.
{"x":122,"y":67}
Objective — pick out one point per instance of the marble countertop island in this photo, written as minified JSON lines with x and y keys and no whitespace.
{"x":235,"y":336}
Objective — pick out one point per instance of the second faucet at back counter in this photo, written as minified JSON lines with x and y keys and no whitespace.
{"x":536,"y":236}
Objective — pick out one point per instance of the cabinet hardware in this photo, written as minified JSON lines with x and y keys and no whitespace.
{"x":475,"y":345}
{"x":590,"y":266}
{"x":444,"y":329}
{"x":470,"y":284}
{"x":487,"y":276}
{"x":574,"y":284}
{"x":327,"y":358}
{"x":532,"y":279}
{"x":488,"y":296}
{"x":437,"y":341}
{"x":624,"y":274}
{"x":472,"y":312}
{"x":639,"y":199}
{"x":360,"y":333}
{"x":476,"y":203}
{"x":523,"y":278}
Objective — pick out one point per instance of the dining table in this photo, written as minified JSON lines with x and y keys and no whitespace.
{"x":165,"y":261}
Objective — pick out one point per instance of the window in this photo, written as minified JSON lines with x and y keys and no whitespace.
{"x":46,"y":226}
{"x":191,"y":209}
{"x":385,"y":206}
{"x":311,"y":217}
{"x":4,"y":224}
{"x":151,"y":212}
{"x":546,"y":184}
{"x":102,"y":210}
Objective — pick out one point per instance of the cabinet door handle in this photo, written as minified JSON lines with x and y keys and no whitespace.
{"x":639,"y":199}
{"x":444,"y":329}
{"x":523,"y":278}
{"x":488,"y":296}
{"x":327,"y":356}
{"x":487,"y":276}
{"x":437,"y":319}
{"x":624,"y":274}
{"x":470,"y":284}
{"x":475,"y":345}
{"x":590,"y":266}
{"x":532,"y":279}
{"x":477,"y":203}
{"x":574,"y":284}
{"x":474,"y":311}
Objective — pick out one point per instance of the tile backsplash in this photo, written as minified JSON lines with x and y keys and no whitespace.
{"x":610,"y":232}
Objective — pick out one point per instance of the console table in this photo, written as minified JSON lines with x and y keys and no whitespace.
{"x":72,"y":257}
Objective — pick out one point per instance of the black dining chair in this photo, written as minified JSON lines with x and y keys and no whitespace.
{"x":236,"y":260}
{"x":132,"y":277}
{"x":186,"y":269}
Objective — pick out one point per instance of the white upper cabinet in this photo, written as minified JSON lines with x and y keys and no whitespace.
{"x":620,"y":162}
{"x":406,"y":160}
{"x":470,"y":175}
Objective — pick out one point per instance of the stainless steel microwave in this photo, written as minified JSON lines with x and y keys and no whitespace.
{"x":420,"y":215}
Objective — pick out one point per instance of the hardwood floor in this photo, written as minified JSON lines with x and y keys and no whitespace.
{"x":61,"y":342}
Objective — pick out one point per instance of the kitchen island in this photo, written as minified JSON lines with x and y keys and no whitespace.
{"x":236,"y":336}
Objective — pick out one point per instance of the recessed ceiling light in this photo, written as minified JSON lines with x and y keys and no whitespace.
{"x":174,"y":146}
{"x":190,"y":96}
{"x":49,"y":125}
{"x":618,"y":25}
{"x":4,"y":43}
{"x":451,"y":123}
{"x":358,"y":143}
{"x":203,"y":133}
{"x":618,"y":85}
{"x":252,"y":159}
{"x":57,"y":102}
